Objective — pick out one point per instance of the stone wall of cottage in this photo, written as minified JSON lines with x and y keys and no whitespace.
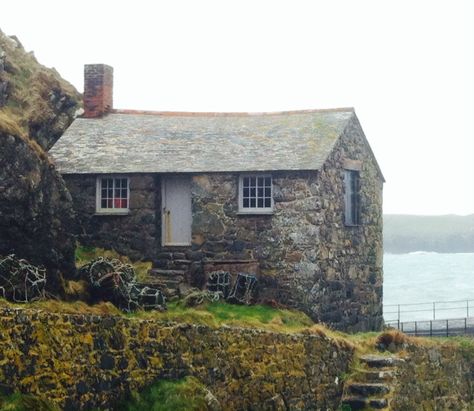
{"x":136,"y":234}
{"x":307,"y":257}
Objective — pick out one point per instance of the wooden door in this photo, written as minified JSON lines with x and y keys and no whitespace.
{"x":176,"y":215}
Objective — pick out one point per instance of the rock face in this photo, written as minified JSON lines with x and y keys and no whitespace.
{"x":306,"y":256}
{"x":36,"y":215}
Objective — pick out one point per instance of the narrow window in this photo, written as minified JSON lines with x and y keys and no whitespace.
{"x":112,"y":195}
{"x":255,"y":194}
{"x":352,"y":197}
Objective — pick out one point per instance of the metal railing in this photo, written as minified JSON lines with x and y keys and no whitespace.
{"x":436,"y":309}
{"x":435,"y":328}
{"x":432,"y":319}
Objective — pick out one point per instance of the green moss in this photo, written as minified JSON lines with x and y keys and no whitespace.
{"x":24,"y":402}
{"x":187,"y":394}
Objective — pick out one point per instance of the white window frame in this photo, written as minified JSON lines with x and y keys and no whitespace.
{"x":98,"y":196}
{"x":254,"y":210}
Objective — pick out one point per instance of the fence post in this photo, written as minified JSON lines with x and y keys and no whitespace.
{"x":465,"y":326}
{"x":447,"y":328}
{"x":431,"y":328}
{"x":467,"y":307}
{"x":398,"y":314}
{"x":416,"y":328}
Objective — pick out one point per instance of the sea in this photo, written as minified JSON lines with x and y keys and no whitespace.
{"x":428,"y":285}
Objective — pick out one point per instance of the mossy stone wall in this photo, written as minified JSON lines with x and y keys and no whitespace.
{"x":86,"y":361}
{"x":436,"y":377}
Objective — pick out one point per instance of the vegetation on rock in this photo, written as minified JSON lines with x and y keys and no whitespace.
{"x":36,"y":215}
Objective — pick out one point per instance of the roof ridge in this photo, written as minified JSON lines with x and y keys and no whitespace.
{"x":228,"y":113}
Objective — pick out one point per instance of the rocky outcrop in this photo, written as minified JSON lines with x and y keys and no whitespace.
{"x":34,"y":96}
{"x":36,"y":217}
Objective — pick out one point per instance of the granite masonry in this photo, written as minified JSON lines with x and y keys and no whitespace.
{"x":312,"y":244}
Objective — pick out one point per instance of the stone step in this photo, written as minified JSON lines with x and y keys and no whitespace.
{"x":368,"y":389}
{"x":181,"y":262}
{"x":376,"y":376}
{"x":377,"y":361}
{"x":378,"y":403}
{"x":360,"y":403}
{"x":355,"y":403}
{"x":160,"y":272}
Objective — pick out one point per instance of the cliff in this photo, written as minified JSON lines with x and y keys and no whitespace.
{"x":36,"y":216}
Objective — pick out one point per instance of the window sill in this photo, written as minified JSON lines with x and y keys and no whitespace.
{"x":266,"y":212}
{"x":101,"y":213}
{"x":352,"y":225}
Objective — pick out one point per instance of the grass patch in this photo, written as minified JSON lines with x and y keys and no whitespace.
{"x":187,"y":394}
{"x":216,"y":314}
{"x":85,"y":254}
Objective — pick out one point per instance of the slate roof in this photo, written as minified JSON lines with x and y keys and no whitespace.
{"x":138,"y":142}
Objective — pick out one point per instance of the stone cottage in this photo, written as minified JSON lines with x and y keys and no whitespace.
{"x":293,"y":197}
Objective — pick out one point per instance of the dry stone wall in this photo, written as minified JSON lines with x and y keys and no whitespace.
{"x":435,"y":377}
{"x":81,"y":362}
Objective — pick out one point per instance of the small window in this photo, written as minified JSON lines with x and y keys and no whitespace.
{"x":112,"y":195}
{"x":255,"y":194}
{"x":352,"y":197}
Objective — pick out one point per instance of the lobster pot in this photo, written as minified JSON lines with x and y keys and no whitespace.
{"x":149,"y":298}
{"x":219,"y":282}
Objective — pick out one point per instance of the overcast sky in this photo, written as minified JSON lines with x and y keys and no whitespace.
{"x":406,"y":66}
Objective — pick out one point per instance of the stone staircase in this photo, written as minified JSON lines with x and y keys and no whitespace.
{"x":170,"y":272}
{"x":372,"y":384}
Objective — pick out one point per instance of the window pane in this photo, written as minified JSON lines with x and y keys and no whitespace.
{"x":103,"y":203}
{"x":252,"y":202}
{"x":268,"y":181}
{"x":117,"y":193}
{"x":252,"y":192}
{"x":103,"y":193}
{"x":246,"y":203}
{"x":246,"y":192}
{"x":246,"y":181}
{"x":260,"y":203}
{"x":268,"y":192}
{"x":252,"y":181}
{"x":260,"y":191}
{"x":124,"y":193}
{"x":110,"y":203}
{"x":124,"y":182}
{"x":260,"y":181}
{"x":268,"y":202}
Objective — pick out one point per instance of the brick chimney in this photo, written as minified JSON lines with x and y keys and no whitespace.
{"x":98,"y":89}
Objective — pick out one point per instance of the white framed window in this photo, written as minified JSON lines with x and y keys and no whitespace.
{"x":113,"y":195}
{"x":352,"y":197}
{"x":255,"y":194}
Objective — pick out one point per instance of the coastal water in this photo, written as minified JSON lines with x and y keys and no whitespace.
{"x":426,"y":277}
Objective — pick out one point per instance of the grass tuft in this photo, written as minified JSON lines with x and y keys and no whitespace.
{"x":187,"y":394}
